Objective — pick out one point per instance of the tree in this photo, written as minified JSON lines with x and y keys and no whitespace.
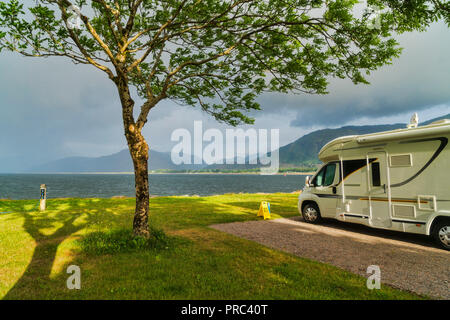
{"x":215,"y":54}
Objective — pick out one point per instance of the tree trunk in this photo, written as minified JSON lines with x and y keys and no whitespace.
{"x":138,"y":148}
{"x":139,"y":154}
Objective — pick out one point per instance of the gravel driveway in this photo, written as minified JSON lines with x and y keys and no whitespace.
{"x":407,"y":261}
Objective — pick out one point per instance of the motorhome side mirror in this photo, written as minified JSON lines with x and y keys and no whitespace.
{"x":307,"y":182}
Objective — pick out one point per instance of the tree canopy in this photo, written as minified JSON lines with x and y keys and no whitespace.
{"x":216,"y":54}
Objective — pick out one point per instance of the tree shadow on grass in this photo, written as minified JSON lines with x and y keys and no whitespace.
{"x":65,"y":217}
{"x":48,"y":230}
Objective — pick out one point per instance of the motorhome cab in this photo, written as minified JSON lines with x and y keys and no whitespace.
{"x":396,"y":180}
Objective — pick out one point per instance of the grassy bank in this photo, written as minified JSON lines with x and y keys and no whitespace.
{"x":192,"y":262}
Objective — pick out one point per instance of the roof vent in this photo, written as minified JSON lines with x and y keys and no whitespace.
{"x":414,"y":121}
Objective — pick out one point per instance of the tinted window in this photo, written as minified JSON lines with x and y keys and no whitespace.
{"x":351,"y":166}
{"x":329,"y":174}
{"x":325,"y":177}
{"x":376,"y":178}
{"x":318,"y":180}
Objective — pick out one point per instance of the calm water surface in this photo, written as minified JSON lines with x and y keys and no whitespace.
{"x":26,"y":186}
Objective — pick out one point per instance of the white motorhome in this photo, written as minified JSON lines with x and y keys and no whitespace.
{"x":396,"y":180}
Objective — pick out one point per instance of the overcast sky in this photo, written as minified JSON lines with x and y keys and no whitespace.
{"x":51,"y":108}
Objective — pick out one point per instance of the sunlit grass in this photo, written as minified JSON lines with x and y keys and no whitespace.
{"x":192,"y":261}
{"x":122,"y":240}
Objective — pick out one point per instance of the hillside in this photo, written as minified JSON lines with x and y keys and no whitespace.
{"x":304,"y":150}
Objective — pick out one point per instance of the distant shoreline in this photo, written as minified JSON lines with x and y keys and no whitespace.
{"x":166,"y":173}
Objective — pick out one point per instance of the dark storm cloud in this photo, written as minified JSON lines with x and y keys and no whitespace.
{"x":332,"y":113}
{"x":416,"y":81}
{"x":50,"y":105}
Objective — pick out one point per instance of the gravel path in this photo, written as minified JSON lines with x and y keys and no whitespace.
{"x":407,"y":261}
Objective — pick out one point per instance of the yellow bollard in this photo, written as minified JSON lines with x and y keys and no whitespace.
{"x":264,"y":210}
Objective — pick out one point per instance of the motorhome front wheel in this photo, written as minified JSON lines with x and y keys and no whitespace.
{"x":311,"y":213}
{"x":441,"y":234}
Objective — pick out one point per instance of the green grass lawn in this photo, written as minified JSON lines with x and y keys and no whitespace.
{"x":196,"y":263}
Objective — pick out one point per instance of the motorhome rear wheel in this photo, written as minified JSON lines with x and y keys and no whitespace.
{"x":441,"y":233}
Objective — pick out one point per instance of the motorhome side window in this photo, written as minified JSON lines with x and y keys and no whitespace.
{"x":351,"y":166}
{"x":326,"y":176}
{"x":376,"y":178}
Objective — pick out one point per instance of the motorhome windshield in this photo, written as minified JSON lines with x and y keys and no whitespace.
{"x":326,"y":175}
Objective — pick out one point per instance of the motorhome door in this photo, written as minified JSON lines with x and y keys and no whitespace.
{"x":379,"y":193}
{"x":323,"y":186}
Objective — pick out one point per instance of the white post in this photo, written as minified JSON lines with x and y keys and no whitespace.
{"x":43,"y":197}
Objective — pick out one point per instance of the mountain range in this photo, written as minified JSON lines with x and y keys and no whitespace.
{"x":301,"y":152}
{"x":117,"y":162}
{"x":304,"y":150}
